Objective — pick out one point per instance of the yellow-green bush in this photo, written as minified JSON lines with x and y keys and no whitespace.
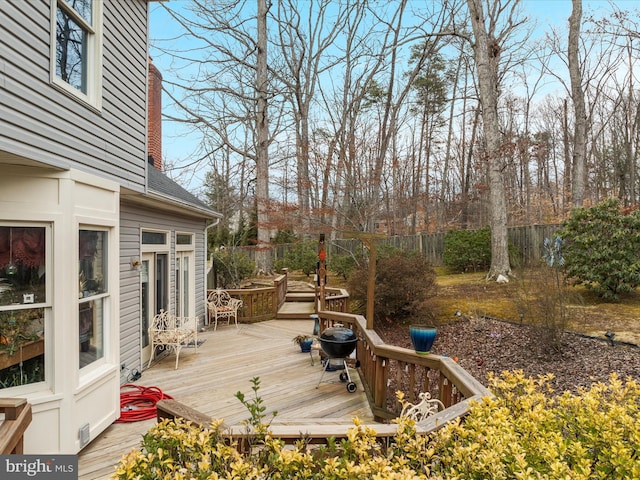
{"x":525,"y":433}
{"x":521,"y":433}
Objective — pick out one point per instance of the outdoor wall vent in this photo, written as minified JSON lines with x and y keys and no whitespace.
{"x":85,"y":435}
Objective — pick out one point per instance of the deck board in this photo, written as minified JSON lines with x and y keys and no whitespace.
{"x":225,"y":364}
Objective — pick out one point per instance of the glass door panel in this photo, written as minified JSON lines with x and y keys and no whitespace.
{"x":184,"y":301}
{"x":154,"y":284}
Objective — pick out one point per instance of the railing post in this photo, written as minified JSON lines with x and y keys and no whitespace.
{"x":17,"y":417}
{"x":445,"y":391}
{"x":380,"y":384}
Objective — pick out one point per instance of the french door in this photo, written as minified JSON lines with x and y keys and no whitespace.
{"x":154,"y":281}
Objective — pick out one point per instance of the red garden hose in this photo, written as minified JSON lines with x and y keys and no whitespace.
{"x":139,"y":403}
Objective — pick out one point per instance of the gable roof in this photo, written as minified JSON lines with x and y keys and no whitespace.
{"x":166,"y":190}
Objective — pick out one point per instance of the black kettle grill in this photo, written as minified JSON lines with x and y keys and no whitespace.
{"x":338,"y":343}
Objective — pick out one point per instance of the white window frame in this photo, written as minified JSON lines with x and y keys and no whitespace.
{"x":161,"y":249}
{"x":104,"y":297}
{"x":47,"y":306}
{"x":93,"y":96}
{"x":188,"y":250}
{"x":156,"y":247}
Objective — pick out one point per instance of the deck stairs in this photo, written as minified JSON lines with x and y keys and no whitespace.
{"x":298,"y":305}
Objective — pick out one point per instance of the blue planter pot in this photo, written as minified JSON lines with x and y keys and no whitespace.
{"x":422,"y":337}
{"x":305,"y":346}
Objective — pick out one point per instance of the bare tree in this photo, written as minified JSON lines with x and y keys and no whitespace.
{"x":220,"y":87}
{"x":263,"y":259}
{"x":487,"y":50}
{"x":304,"y":38}
{"x":577,"y":95}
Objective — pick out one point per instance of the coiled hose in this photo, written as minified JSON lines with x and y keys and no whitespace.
{"x":139,"y":403}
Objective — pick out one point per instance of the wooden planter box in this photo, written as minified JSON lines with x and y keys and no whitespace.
{"x":22,"y":353}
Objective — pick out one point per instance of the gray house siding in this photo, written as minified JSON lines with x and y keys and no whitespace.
{"x":133,"y":219}
{"x":41,"y":122}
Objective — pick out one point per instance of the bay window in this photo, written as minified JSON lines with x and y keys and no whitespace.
{"x":23,"y":301}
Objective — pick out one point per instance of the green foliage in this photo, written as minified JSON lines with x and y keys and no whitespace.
{"x":256,"y":408}
{"x":249,"y":231}
{"x":404,"y":283}
{"x":466,"y":250}
{"x":523,"y":432}
{"x":218,"y":236}
{"x":231,"y":267}
{"x":303,"y":257}
{"x":343,"y":265}
{"x":602,"y":249}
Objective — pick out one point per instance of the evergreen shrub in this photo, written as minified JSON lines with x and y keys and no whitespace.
{"x":467,"y":250}
{"x":601,"y":249}
{"x":343,"y":265}
{"x":231,"y":267}
{"x":303,"y":256}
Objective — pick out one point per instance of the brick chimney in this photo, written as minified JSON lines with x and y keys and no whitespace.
{"x":154,"y":126}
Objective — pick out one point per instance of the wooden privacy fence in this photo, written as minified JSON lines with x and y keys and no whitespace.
{"x":528,"y":240}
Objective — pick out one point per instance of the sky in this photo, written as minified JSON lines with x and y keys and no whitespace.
{"x":179,"y":145}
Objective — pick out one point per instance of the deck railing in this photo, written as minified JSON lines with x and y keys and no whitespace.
{"x":17,"y":417}
{"x":386,"y":369}
{"x":261,"y":303}
{"x":335,"y":300}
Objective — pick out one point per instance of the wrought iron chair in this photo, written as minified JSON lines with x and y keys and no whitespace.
{"x":220,"y":305}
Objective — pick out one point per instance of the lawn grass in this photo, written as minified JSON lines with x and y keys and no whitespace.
{"x":471,"y":294}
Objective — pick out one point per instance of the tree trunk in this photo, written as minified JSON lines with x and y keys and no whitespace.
{"x":568,"y":167}
{"x":263,"y":259}
{"x":486,"y":52}
{"x":577,"y":95}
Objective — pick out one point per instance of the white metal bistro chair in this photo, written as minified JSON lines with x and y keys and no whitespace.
{"x":221,"y":306}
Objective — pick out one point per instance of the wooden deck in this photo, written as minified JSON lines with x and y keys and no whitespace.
{"x":225,"y":364}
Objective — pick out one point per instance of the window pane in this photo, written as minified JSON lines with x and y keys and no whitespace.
{"x":71,"y":51}
{"x":184,"y":239}
{"x":92,"y":256}
{"x":185,"y":285}
{"x":21,"y":347}
{"x":22,"y":265}
{"x":92,"y":281}
{"x":82,"y":8}
{"x":162,"y":282}
{"x":91,"y":315}
{"x":146,"y":293}
{"x":178,"y":288}
{"x":154,"y":238}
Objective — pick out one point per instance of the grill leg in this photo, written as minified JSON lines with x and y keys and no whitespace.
{"x":346,"y":369}
{"x":324,"y":370}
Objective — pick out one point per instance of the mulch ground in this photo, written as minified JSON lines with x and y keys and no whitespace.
{"x":483,"y":345}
